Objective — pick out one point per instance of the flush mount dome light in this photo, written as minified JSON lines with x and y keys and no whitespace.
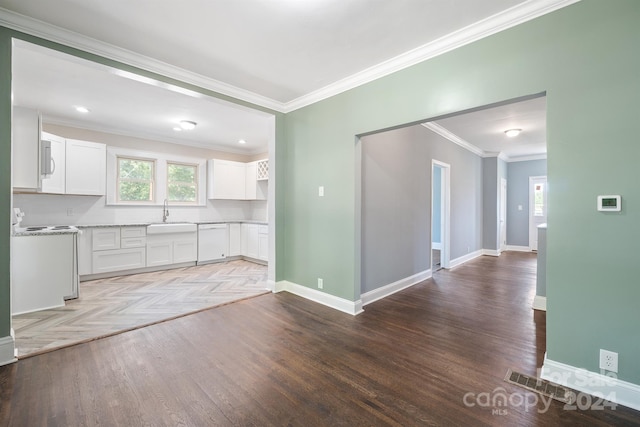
{"x":242,"y":141}
{"x":81,"y":109}
{"x":512,"y":132}
{"x":187,"y":125}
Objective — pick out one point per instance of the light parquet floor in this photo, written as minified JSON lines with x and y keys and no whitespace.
{"x":117,"y":304}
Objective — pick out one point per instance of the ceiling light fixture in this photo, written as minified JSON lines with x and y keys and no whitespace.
{"x":187,"y":124}
{"x":512,"y":132}
{"x":177,"y":128}
{"x":242,"y":141}
{"x":81,"y":109}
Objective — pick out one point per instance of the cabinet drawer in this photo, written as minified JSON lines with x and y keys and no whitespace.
{"x":106,"y":238}
{"x":128,"y":232}
{"x":133,"y":242}
{"x":119,"y":259}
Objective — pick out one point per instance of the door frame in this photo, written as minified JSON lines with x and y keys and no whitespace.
{"x":445,"y":213}
{"x":533,"y":230}
{"x":502,"y":216}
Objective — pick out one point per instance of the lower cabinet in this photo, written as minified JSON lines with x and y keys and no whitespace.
{"x":235,"y":239}
{"x":118,"y":259}
{"x":173,"y":248}
{"x":255,"y":241}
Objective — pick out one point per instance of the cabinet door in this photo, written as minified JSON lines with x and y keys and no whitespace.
{"x":86,"y":168}
{"x":253,"y":249}
{"x":185,"y":249}
{"x":263,"y":243}
{"x":159,"y":252}
{"x":85,"y":252}
{"x":106,"y":238}
{"x":55,"y":182}
{"x":25,"y":127}
{"x":251,"y":177}
{"x":235,"y":240}
{"x":226,"y":180}
{"x":118,"y":259}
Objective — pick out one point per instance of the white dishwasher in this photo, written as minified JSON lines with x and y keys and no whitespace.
{"x":213,"y":242}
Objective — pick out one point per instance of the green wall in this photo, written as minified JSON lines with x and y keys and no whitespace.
{"x":585,"y":57}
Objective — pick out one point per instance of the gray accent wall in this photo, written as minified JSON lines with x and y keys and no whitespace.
{"x":437,"y":204}
{"x":490,"y":202}
{"x":518,"y":195}
{"x":396,"y":203}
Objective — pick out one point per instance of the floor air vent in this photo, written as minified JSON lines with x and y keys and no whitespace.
{"x":540,"y":386}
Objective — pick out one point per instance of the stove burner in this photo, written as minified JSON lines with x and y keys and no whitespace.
{"x":35,"y":228}
{"x":61,"y":227}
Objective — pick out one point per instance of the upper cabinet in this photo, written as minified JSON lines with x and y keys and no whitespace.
{"x":26,"y":129}
{"x":236,"y":181}
{"x":86,"y":164}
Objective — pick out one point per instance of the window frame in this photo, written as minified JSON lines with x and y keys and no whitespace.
{"x":196,"y":175}
{"x":153,"y":182}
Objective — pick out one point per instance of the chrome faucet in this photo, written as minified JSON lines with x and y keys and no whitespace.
{"x":165,"y":210}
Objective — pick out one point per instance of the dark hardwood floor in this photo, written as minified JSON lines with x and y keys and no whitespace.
{"x":409,"y":359}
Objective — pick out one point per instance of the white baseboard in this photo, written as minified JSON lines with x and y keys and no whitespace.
{"x":465,"y":258}
{"x":436,"y":245}
{"x":392,"y":288}
{"x":7,"y":350}
{"x":595,"y":384}
{"x":518,"y":248}
{"x":341,"y":304}
{"x":491,"y":252}
{"x":540,"y":303}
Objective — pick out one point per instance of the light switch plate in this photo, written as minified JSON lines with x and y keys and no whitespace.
{"x":321,"y":191}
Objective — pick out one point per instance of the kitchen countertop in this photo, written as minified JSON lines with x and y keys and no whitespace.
{"x":23,"y":232}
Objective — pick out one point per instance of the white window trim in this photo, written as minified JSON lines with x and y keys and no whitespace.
{"x":160,"y":190}
{"x":198,"y":182}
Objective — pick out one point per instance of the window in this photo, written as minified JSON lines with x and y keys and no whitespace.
{"x":182,"y":183}
{"x":135,"y":180}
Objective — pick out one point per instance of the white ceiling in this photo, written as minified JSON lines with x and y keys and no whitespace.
{"x":282,"y":54}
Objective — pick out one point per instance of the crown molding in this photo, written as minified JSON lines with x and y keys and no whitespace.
{"x":445,"y":133}
{"x":501,"y":21}
{"x":494,"y":24}
{"x":542,"y":156}
{"x":34,"y":27}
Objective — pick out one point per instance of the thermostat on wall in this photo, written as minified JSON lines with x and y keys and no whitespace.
{"x":609,"y":203}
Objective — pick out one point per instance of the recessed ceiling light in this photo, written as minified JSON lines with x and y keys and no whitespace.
{"x":81,"y":109}
{"x":187,"y":124}
{"x":512,"y":132}
{"x":242,"y":141}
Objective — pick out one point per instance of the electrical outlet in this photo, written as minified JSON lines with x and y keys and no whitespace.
{"x":608,"y":360}
{"x":320,"y":283}
{"x":69,"y":211}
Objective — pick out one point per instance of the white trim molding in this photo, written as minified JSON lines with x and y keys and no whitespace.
{"x":341,"y":304}
{"x":436,"y":245}
{"x":447,"y":134}
{"x":501,"y":21}
{"x":596,"y":384}
{"x":542,"y":156}
{"x":392,"y":288}
{"x":8,"y":350}
{"x":465,"y":258}
{"x":539,"y":303}
{"x":515,"y":248}
{"x":491,"y":252}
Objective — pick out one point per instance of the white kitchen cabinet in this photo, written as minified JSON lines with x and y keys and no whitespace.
{"x":54,"y":183}
{"x":226,"y":180}
{"x":255,"y":189}
{"x":253,"y":246}
{"x":106,"y":238}
{"x":86,"y":164}
{"x":171,"y":248}
{"x":85,"y":251}
{"x":118,"y":259}
{"x":26,"y":129}
{"x":263,"y":242}
{"x":235,"y":240}
{"x":117,"y":249}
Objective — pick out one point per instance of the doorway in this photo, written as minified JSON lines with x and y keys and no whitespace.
{"x":503,"y":215}
{"x":537,"y":208}
{"x":440,"y":211}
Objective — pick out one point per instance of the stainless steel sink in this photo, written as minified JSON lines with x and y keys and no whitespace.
{"x":171,"y":227}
